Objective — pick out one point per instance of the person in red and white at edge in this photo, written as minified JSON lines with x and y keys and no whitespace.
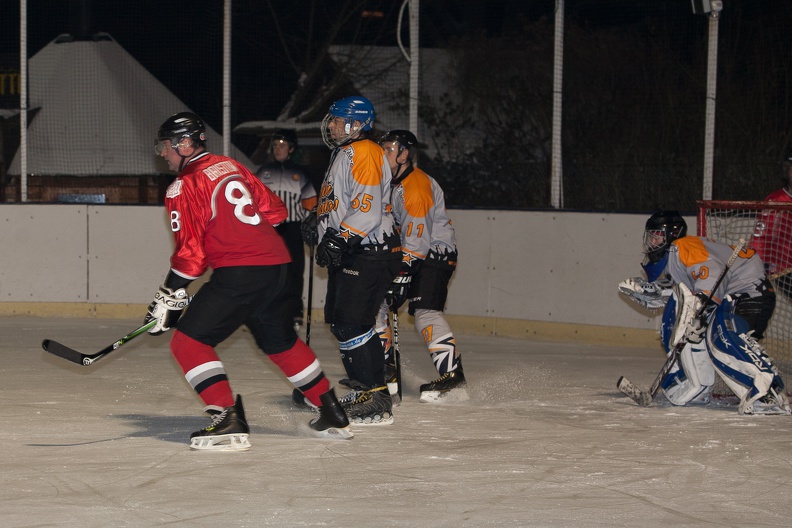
{"x":773,"y":235}
{"x":222,"y":217}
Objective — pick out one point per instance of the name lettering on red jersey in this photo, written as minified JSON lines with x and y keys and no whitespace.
{"x":219,"y":170}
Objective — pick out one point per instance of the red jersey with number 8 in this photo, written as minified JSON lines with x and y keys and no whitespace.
{"x":221,"y":215}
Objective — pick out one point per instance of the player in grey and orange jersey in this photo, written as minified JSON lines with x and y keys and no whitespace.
{"x":724,"y":339}
{"x":360,"y":247}
{"x":429,"y":261}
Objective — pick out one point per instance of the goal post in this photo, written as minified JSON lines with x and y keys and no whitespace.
{"x":767,"y":227}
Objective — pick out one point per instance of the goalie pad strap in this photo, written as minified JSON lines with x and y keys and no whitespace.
{"x":687,"y":306}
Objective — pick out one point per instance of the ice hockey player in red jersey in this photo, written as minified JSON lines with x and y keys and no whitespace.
{"x":222,"y":217}
{"x":772,"y":237}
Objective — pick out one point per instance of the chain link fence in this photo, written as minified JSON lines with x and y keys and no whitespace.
{"x":634,"y":94}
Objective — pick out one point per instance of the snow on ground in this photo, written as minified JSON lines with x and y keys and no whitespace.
{"x":545,"y":439}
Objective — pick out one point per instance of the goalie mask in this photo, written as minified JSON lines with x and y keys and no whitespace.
{"x":662,"y":228}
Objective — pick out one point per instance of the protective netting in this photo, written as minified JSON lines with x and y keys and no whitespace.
{"x":767,"y":228}
{"x":627,"y":83}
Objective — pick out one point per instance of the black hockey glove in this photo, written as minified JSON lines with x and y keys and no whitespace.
{"x":400,"y":287}
{"x":397,"y":291}
{"x":330,"y":249}
{"x":166,"y":309}
{"x":308,"y":229}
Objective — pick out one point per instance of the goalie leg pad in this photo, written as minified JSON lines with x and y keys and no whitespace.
{"x":741,"y":361}
{"x":693,"y":381}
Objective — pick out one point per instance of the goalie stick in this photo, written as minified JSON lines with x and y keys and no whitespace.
{"x":397,"y":353}
{"x":57,"y":349}
{"x":645,"y":399}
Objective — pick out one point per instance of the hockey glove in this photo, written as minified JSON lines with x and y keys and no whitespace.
{"x":397,"y":291}
{"x":166,"y":309}
{"x":308,"y":229}
{"x":652,"y":295}
{"x":330,"y":249}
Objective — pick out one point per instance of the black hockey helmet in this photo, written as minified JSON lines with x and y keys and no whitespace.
{"x":183,"y":125}
{"x":404,"y":138}
{"x":285,"y":134}
{"x":662,"y":228}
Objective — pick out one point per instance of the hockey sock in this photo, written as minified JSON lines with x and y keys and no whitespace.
{"x":203,"y":370}
{"x":301,"y":366}
{"x":439,"y":339}
{"x":361,"y":354}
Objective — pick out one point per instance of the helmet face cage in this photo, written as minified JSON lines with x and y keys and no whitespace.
{"x":662,"y":229}
{"x":351,"y":109}
{"x":404,"y":138}
{"x":180,"y":126}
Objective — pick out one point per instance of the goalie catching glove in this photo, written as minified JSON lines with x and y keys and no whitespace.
{"x":166,"y":309}
{"x":652,"y":295}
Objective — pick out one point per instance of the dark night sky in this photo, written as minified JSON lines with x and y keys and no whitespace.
{"x":180,"y":44}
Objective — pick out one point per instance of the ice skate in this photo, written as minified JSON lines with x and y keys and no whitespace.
{"x":774,"y":402}
{"x":371,"y":407}
{"x":228,"y":431}
{"x":299,"y":399}
{"x":356,"y":389}
{"x":447,"y":387}
{"x":332,"y":421}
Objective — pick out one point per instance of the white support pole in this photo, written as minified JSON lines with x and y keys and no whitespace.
{"x":23,"y":101}
{"x":556,"y":165}
{"x":709,"y":133}
{"x":414,"y":65}
{"x":227,"y":78}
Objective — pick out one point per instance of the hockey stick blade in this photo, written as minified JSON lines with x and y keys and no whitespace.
{"x":62,"y":351}
{"x":633,"y":392}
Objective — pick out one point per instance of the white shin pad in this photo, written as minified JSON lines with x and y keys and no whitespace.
{"x":439,"y":338}
{"x":699,"y":376}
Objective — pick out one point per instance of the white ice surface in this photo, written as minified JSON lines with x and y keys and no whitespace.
{"x":544,"y":440}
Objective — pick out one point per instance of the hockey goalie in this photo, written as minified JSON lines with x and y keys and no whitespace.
{"x":722,"y":338}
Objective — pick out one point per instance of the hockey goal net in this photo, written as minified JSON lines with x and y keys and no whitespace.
{"x":767,"y":227}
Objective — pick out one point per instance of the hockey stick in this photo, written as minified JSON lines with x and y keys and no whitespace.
{"x":779,"y":274}
{"x":310,"y":295}
{"x":646,"y":398}
{"x":397,"y":353}
{"x":53,"y":347}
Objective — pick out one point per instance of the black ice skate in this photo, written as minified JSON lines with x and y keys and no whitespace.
{"x":443,"y":387}
{"x":228,"y":431}
{"x":332,"y":421}
{"x":355,"y":390}
{"x":299,"y":399}
{"x":371,"y":407}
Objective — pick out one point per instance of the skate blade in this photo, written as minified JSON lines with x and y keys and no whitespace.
{"x":334,"y":433}
{"x":451,"y":396}
{"x":228,"y":442}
